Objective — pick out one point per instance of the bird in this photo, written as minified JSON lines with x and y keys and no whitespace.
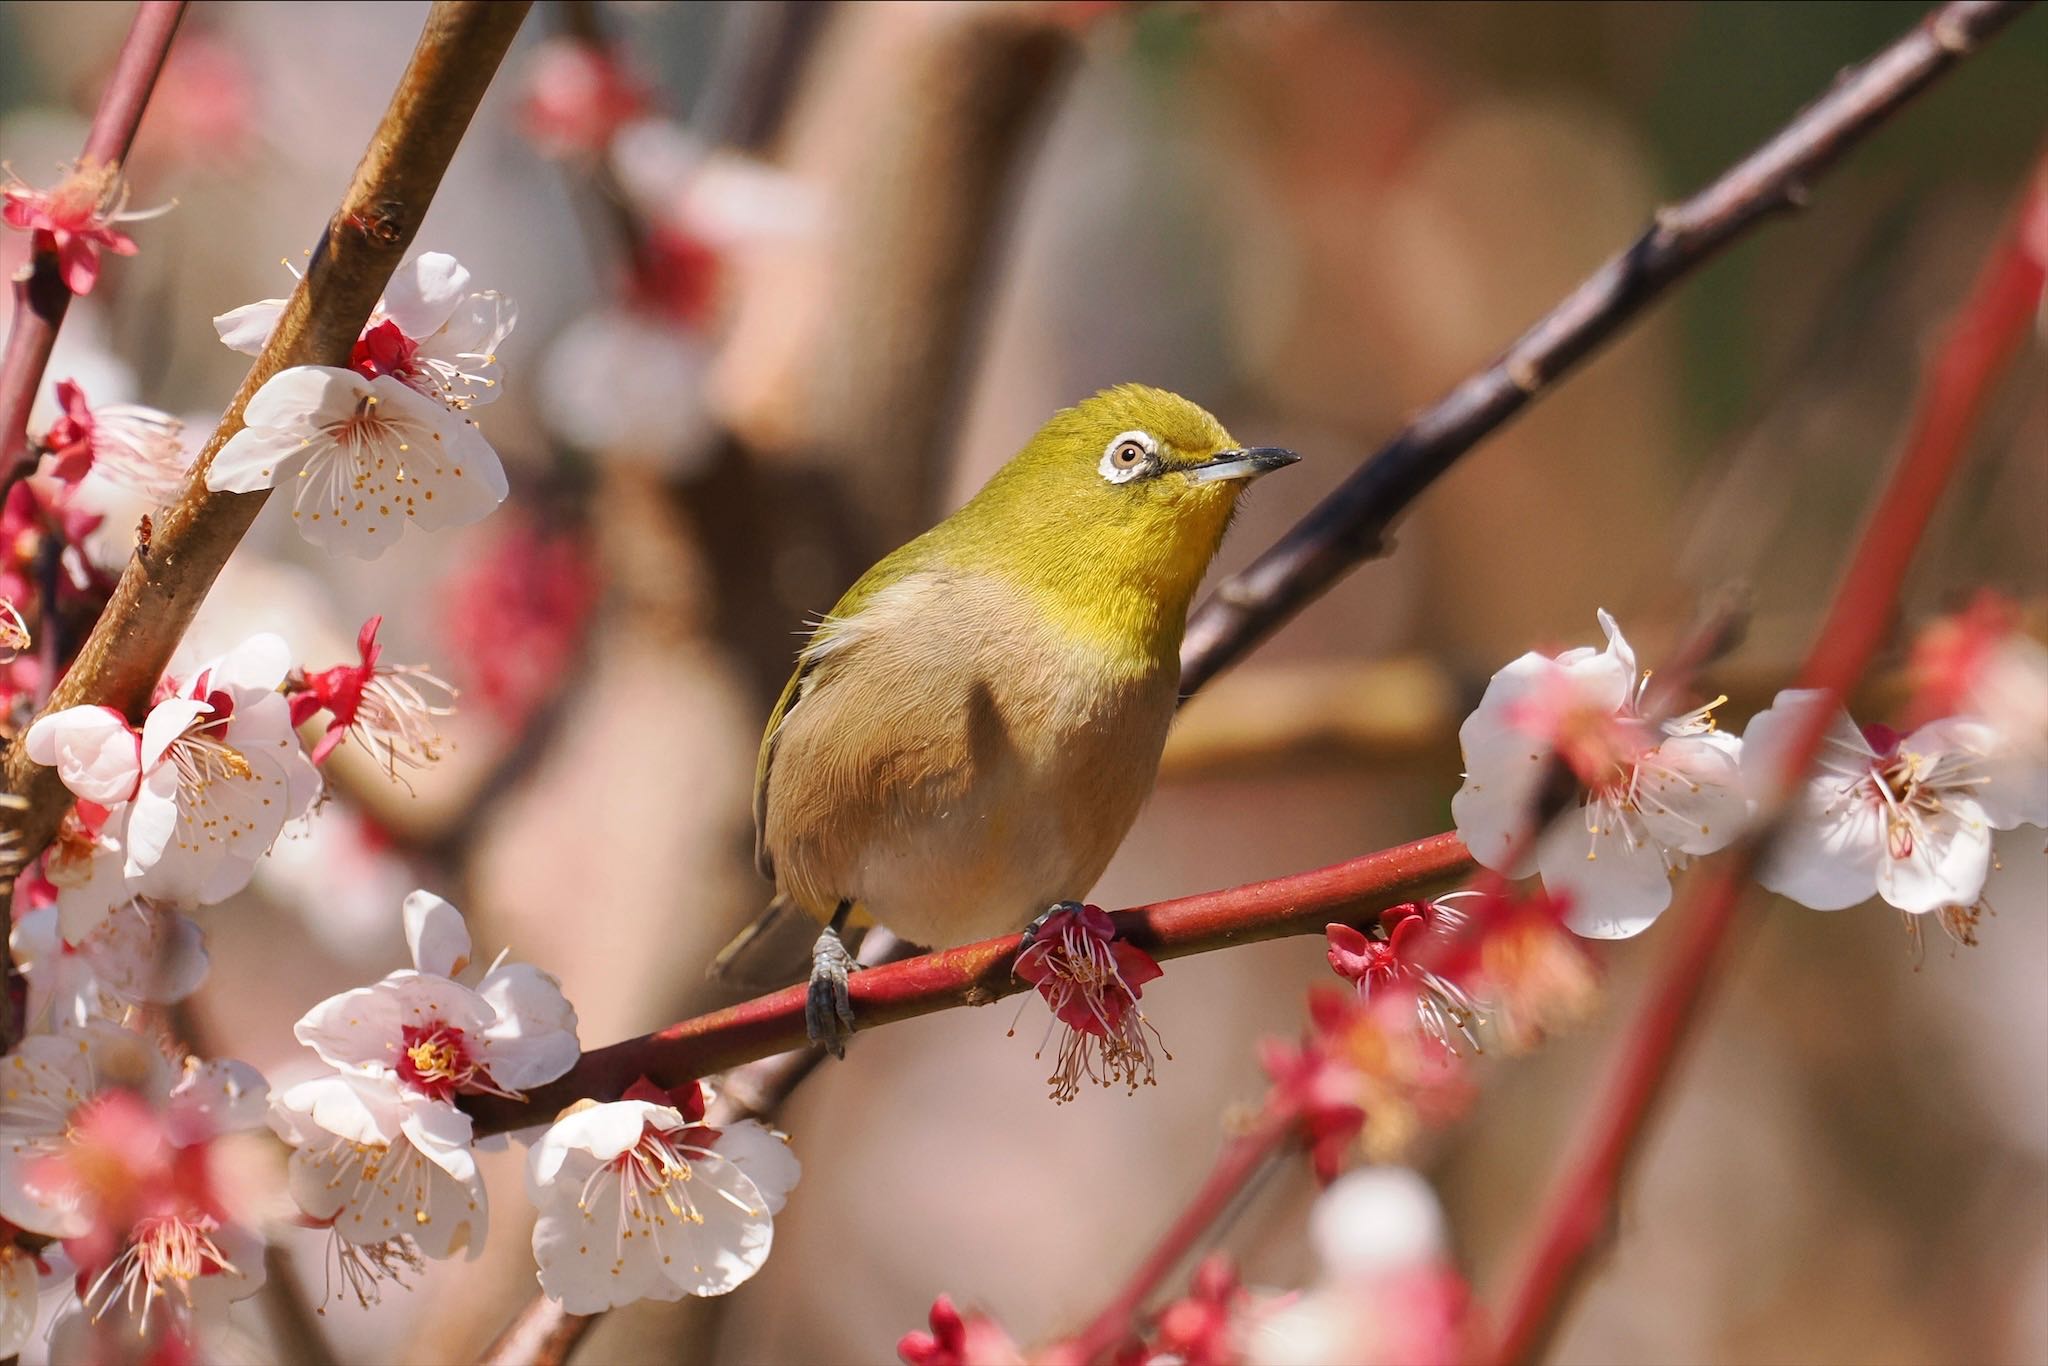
{"x":972,"y":729}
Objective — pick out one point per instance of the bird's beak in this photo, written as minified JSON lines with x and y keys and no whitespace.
{"x":1249,"y":463}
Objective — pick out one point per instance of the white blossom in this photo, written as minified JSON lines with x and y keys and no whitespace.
{"x":438,"y":1038}
{"x":362,"y":457}
{"x":430,"y":330}
{"x":197,"y":795}
{"x":382,"y":1155}
{"x":1911,"y":823}
{"x":141,"y":954}
{"x":386,"y":1170}
{"x":637,"y":1203}
{"x":1653,"y":792}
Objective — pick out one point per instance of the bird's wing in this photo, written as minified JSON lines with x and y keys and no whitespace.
{"x":838,"y":629}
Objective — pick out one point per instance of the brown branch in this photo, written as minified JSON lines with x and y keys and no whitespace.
{"x":1579,"y":1209}
{"x":977,"y":974}
{"x":40,"y":295}
{"x":541,"y":1334}
{"x":459,"y":49}
{"x":1349,"y":526}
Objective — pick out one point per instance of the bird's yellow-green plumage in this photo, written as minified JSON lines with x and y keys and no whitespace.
{"x":971,"y":730}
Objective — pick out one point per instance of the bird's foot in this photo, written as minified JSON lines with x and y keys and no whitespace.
{"x":1031,"y":930}
{"x":828,"y":1010}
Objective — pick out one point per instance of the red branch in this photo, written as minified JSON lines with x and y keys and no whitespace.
{"x":1580,"y":1207}
{"x":40,"y":296}
{"x":976,"y":974}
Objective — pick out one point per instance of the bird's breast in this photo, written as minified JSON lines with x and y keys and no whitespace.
{"x":959,"y":763}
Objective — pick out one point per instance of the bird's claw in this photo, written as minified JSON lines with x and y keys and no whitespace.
{"x":828,"y":1009}
{"x":1031,"y":930}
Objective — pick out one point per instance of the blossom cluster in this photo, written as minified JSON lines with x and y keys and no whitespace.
{"x":387,"y":439}
{"x":1907,"y":818}
{"x":118,"y":1156}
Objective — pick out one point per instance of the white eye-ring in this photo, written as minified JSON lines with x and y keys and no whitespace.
{"x":1128,"y":456}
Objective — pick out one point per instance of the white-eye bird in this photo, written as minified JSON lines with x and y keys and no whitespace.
{"x":971,"y":731}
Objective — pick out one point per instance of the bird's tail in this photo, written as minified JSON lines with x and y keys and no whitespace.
{"x":773,"y":952}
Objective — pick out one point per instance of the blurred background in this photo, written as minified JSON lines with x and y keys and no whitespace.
{"x":805,"y":274}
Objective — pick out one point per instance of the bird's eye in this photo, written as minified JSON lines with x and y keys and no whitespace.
{"x":1127,"y":457}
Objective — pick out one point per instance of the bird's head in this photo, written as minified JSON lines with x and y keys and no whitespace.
{"x":1134,"y":474}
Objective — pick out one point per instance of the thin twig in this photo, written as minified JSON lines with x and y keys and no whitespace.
{"x":1580,"y":1208}
{"x":1349,"y":525}
{"x":41,"y":297}
{"x":459,"y":49}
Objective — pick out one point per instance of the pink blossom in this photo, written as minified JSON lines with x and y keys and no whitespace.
{"x":129,"y":445}
{"x":1092,"y":981}
{"x":200,"y":791}
{"x":1521,"y":962}
{"x":1363,"y":1070}
{"x":361,"y":457}
{"x":1201,"y":1328}
{"x":388,"y":708}
{"x":1386,"y":1294}
{"x":1310,"y":1083}
{"x":75,"y":220}
{"x":159,"y":1228}
{"x":1908,"y":818}
{"x":957,"y":1339}
{"x":515,"y":614}
{"x":576,"y":97}
{"x":430,"y":331}
{"x":203,"y":110}
{"x":36,"y":511}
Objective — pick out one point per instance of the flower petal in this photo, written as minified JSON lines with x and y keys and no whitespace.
{"x":1608,"y":869}
{"x":166,"y":721}
{"x":423,"y":292}
{"x":219,"y":1096}
{"x":1690,"y":794}
{"x":253,"y":458}
{"x":304,"y":395}
{"x":764,"y":1155}
{"x":255,"y":666}
{"x":534,"y":1038}
{"x":247,"y":328}
{"x":357,"y":1110}
{"x":94,"y":751}
{"x":436,"y":934}
{"x":1942,"y":863}
{"x":18,"y":1300}
{"x":363,"y":1029}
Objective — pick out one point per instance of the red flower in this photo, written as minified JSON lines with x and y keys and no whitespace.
{"x":1414,"y":937}
{"x":389,"y":708}
{"x":75,"y":220}
{"x":957,"y":1340}
{"x":516,"y":615}
{"x":1092,"y":980}
{"x":680,"y":276}
{"x":385,"y":350}
{"x":1309,"y":1082}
